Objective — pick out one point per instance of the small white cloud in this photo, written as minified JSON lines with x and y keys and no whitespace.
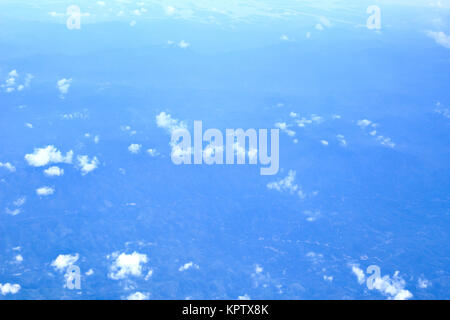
{"x":423,"y":283}
{"x":364,"y":123}
{"x":132,"y":23}
{"x":90,"y":272}
{"x":45,"y":191}
{"x":134,"y":148}
{"x":63,"y":261}
{"x":152,"y":152}
{"x":19,"y":258}
{"x":286,"y":184}
{"x":359,"y":273}
{"x":138,"y":296}
{"x":13,"y":74}
{"x":8,"y":166}
{"x":284,"y":37}
{"x":64,"y":85}
{"x":170,"y":10}
{"x":319,"y":27}
{"x":125,"y":265}
{"x":43,"y":156}
{"x":324,"y":142}
{"x":9,"y":288}
{"x":54,"y":171}
{"x":440,"y":37}
{"x":324,"y":21}
{"x":284,"y":128}
{"x":244,"y":297}
{"x":328,"y":278}
{"x":341,"y":140}
{"x":183,"y":44}
{"x":188,"y":266}
{"x":87,"y":165}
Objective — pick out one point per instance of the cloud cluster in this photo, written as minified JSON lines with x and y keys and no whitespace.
{"x":86,"y":165}
{"x":8,"y":166}
{"x":287,"y":184}
{"x":44,"y":156}
{"x":17,"y":206}
{"x":63,"y":86}
{"x":11,"y":83}
{"x":63,"y":261}
{"x":393,"y":288}
{"x":9,"y":288}
{"x":125,"y":265}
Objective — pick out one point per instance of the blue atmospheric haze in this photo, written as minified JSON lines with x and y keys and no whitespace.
{"x":86,"y":177}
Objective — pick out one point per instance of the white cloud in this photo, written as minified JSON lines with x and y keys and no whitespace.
{"x":386,"y":141}
{"x":64,"y":85}
{"x":423,"y":283}
{"x":313,"y":119}
{"x":284,"y":127}
{"x":14,"y":212}
{"x":359,"y":273}
{"x":87,"y":165}
{"x":138,"y":296}
{"x":134,"y":148}
{"x":183,"y":44}
{"x":440,"y":37}
{"x":165,"y":121}
{"x":11,"y":83}
{"x":393,"y":288}
{"x":45,"y":191}
{"x":19,"y":258}
{"x":13,"y":74}
{"x":8,"y":166}
{"x":170,"y":10}
{"x":9,"y":288}
{"x":364,"y":123}
{"x":287,"y":184}
{"x":125,"y":265}
{"x":152,"y":152}
{"x":244,"y":297}
{"x":328,"y":278}
{"x":341,"y":140}
{"x":63,"y":261}
{"x":20,"y":202}
{"x":319,"y":27}
{"x":188,"y":266}
{"x":324,"y":21}
{"x":324,"y":142}
{"x":43,"y":156}
{"x":54,"y":171}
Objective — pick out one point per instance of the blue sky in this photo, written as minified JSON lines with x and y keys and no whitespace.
{"x":86,"y":177}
